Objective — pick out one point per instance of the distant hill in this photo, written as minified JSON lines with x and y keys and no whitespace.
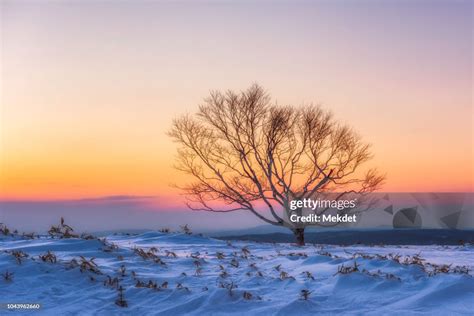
{"x":367,"y":237}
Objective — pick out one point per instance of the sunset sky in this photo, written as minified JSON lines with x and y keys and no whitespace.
{"x":89,"y":89}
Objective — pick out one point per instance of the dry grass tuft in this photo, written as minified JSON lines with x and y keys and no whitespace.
{"x":186,"y":229}
{"x":304,"y":294}
{"x":89,"y":265}
{"x":149,"y":255}
{"x":108,"y":246}
{"x":308,"y":275}
{"x":235,"y":263}
{"x":7,"y":276}
{"x":180,"y":286}
{"x":347,"y":269}
{"x":379,"y":273}
{"x":285,"y":276}
{"x":19,"y":255}
{"x":122,"y":271}
{"x":224,"y":274}
{"x":114,"y":283}
{"x":120,"y":301}
{"x":4,"y":230}
{"x":324,"y":253}
{"x":415,"y":260}
{"x":170,"y":254}
{"x":87,"y":236}
{"x":48,"y":257}
{"x":195,"y":255}
{"x":62,"y":231}
{"x":245,"y":252}
{"x":229,"y":286}
{"x":150,"y":285}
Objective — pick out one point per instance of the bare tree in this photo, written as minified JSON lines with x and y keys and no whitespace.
{"x":247,"y":154}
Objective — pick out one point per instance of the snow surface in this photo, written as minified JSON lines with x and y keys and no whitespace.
{"x":381,"y":286}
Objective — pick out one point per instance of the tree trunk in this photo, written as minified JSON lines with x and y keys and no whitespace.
{"x":299,"y":235}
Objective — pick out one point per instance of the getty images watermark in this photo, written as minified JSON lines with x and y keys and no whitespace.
{"x":322,"y":204}
{"x":20,"y":306}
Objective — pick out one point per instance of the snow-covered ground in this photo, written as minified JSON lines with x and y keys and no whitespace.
{"x":176,"y":273}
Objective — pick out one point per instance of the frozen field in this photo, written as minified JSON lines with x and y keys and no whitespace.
{"x":176,"y":273}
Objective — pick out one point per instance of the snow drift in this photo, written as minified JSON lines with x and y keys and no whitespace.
{"x":177,"y":273}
